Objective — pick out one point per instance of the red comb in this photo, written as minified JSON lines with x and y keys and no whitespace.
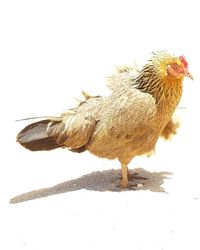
{"x":183,"y":60}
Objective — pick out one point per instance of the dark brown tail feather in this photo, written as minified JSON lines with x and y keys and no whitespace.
{"x":35,"y":138}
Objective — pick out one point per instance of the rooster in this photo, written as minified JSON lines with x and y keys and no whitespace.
{"x":125,"y":124}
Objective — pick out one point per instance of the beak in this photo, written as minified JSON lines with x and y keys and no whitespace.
{"x":187,"y":73}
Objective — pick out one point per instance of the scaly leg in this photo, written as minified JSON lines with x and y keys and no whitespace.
{"x":127,"y":178}
{"x":124,"y":181}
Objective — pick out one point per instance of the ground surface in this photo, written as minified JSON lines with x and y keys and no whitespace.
{"x":63,"y":200}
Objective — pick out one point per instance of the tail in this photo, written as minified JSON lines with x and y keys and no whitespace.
{"x":35,"y":138}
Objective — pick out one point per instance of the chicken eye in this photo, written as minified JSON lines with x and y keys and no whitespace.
{"x":175,"y":66}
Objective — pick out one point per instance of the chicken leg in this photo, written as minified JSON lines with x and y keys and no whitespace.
{"x":124,"y":181}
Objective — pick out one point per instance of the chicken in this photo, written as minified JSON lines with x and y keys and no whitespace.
{"x":125,"y":124}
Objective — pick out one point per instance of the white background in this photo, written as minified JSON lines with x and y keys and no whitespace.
{"x":50,"y":51}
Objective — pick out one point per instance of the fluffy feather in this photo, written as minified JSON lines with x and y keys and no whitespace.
{"x":125,"y":124}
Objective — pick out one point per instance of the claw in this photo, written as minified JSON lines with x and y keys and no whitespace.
{"x":135,"y":176}
{"x":123,"y":184}
{"x":128,"y":185}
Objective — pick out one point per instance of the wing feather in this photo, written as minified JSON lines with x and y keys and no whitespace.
{"x":75,"y":128}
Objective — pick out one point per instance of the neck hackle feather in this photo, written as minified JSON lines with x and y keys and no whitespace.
{"x":153,"y":78}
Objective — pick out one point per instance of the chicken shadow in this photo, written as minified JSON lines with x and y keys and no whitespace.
{"x":101,"y":181}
